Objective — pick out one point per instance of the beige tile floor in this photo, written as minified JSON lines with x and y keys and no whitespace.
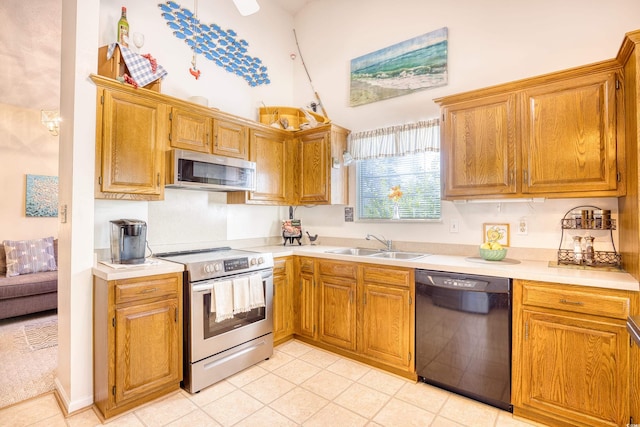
{"x":299,"y":386}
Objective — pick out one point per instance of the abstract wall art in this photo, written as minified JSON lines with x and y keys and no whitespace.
{"x":42,"y":196}
{"x":412,"y":65}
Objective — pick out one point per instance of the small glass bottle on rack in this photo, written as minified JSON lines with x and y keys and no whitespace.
{"x":577,"y":249}
{"x":589,"y":253}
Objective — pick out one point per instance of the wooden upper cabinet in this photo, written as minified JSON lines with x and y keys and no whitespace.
{"x":569,"y":136}
{"x":314,"y":159}
{"x":130,"y":140}
{"x":479,"y":147}
{"x":554,"y":135}
{"x":190,"y":130}
{"x":319,"y":181}
{"x":230,"y":139}
{"x":269,"y":149}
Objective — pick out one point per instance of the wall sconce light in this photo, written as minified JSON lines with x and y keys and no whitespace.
{"x":247,"y":7}
{"x":51,"y":120}
{"x":347,"y":158}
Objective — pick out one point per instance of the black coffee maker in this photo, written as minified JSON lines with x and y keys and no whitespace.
{"x":128,"y":241}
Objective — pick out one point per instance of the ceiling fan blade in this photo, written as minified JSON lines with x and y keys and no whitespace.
{"x":247,"y":7}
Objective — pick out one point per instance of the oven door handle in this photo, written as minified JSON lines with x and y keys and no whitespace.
{"x":204,"y":287}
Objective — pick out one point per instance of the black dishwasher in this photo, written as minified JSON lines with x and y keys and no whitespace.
{"x":463,"y":335}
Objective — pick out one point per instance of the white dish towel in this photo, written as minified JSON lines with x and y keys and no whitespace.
{"x":241,"y":295}
{"x":222,"y":300}
{"x":256,"y":291}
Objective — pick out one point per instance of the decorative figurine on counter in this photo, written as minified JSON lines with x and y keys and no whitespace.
{"x":312,"y":239}
{"x":292,"y":231}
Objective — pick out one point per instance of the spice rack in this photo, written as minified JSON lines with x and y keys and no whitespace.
{"x":582,"y":221}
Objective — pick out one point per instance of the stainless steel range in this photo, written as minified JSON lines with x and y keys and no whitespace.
{"x":228,"y":301}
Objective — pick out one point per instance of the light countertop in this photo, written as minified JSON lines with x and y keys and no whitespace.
{"x":529,"y":270}
{"x":152,"y":266}
{"x":523,"y":269}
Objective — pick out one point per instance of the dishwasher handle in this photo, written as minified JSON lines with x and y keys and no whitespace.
{"x":463,"y":282}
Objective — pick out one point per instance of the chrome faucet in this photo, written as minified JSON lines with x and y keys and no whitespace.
{"x":387,"y":243}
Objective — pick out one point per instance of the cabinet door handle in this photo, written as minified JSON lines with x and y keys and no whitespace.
{"x":525,"y":176}
{"x":158,"y":179}
{"x":148,"y":291}
{"x":565,"y":301}
{"x":511,"y":177}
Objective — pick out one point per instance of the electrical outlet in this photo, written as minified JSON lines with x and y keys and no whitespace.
{"x":454,"y":226}
{"x":523,"y":227}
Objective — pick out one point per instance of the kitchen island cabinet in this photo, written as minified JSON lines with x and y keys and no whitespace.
{"x":137,"y":340}
{"x":552,"y":136}
{"x":571,"y":354}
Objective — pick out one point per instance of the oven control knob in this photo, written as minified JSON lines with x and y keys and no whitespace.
{"x":253,"y":261}
{"x":211,"y":268}
{"x":260,"y":260}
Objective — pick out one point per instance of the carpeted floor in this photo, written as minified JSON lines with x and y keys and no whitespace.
{"x":28,"y":356}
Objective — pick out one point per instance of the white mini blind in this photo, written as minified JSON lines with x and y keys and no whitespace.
{"x":407,"y":156}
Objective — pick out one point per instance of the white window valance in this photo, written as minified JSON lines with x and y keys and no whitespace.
{"x":398,"y":140}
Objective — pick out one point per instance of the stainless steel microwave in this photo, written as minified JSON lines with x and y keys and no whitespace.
{"x":201,"y":171}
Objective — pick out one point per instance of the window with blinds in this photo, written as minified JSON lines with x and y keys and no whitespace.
{"x":418,"y":176}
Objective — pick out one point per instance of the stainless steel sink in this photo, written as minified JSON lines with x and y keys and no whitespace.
{"x":377,"y":253}
{"x":354,"y":251}
{"x":399,"y":255}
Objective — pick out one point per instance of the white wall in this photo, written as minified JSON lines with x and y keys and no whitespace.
{"x":27,"y":148}
{"x":490,"y":42}
{"x":197,"y":219}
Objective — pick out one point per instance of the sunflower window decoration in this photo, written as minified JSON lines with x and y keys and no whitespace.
{"x":394,"y":195}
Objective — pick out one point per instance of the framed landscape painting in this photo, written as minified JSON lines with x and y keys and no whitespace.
{"x":412,"y":65}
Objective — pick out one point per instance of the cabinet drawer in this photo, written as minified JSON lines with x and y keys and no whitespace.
{"x":128,"y":290}
{"x":388,"y":276}
{"x":340,"y":269}
{"x":306,"y":265}
{"x":280,"y":267}
{"x":597,"y":302}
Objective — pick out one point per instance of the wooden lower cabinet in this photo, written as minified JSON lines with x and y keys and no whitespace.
{"x":363,"y":311}
{"x":571,"y":354}
{"x":387,"y":327}
{"x":137,"y":340}
{"x":337,"y":304}
{"x":305,"y":298}
{"x":283,"y":328}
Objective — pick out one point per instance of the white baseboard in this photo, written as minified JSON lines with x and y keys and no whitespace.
{"x":71,"y":407}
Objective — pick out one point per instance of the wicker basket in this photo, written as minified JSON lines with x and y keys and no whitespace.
{"x":294,"y":117}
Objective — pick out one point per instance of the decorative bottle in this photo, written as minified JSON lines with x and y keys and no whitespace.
{"x":123,"y":29}
{"x":577,"y":249}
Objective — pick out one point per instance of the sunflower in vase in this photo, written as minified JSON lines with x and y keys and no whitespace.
{"x":394,"y":195}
